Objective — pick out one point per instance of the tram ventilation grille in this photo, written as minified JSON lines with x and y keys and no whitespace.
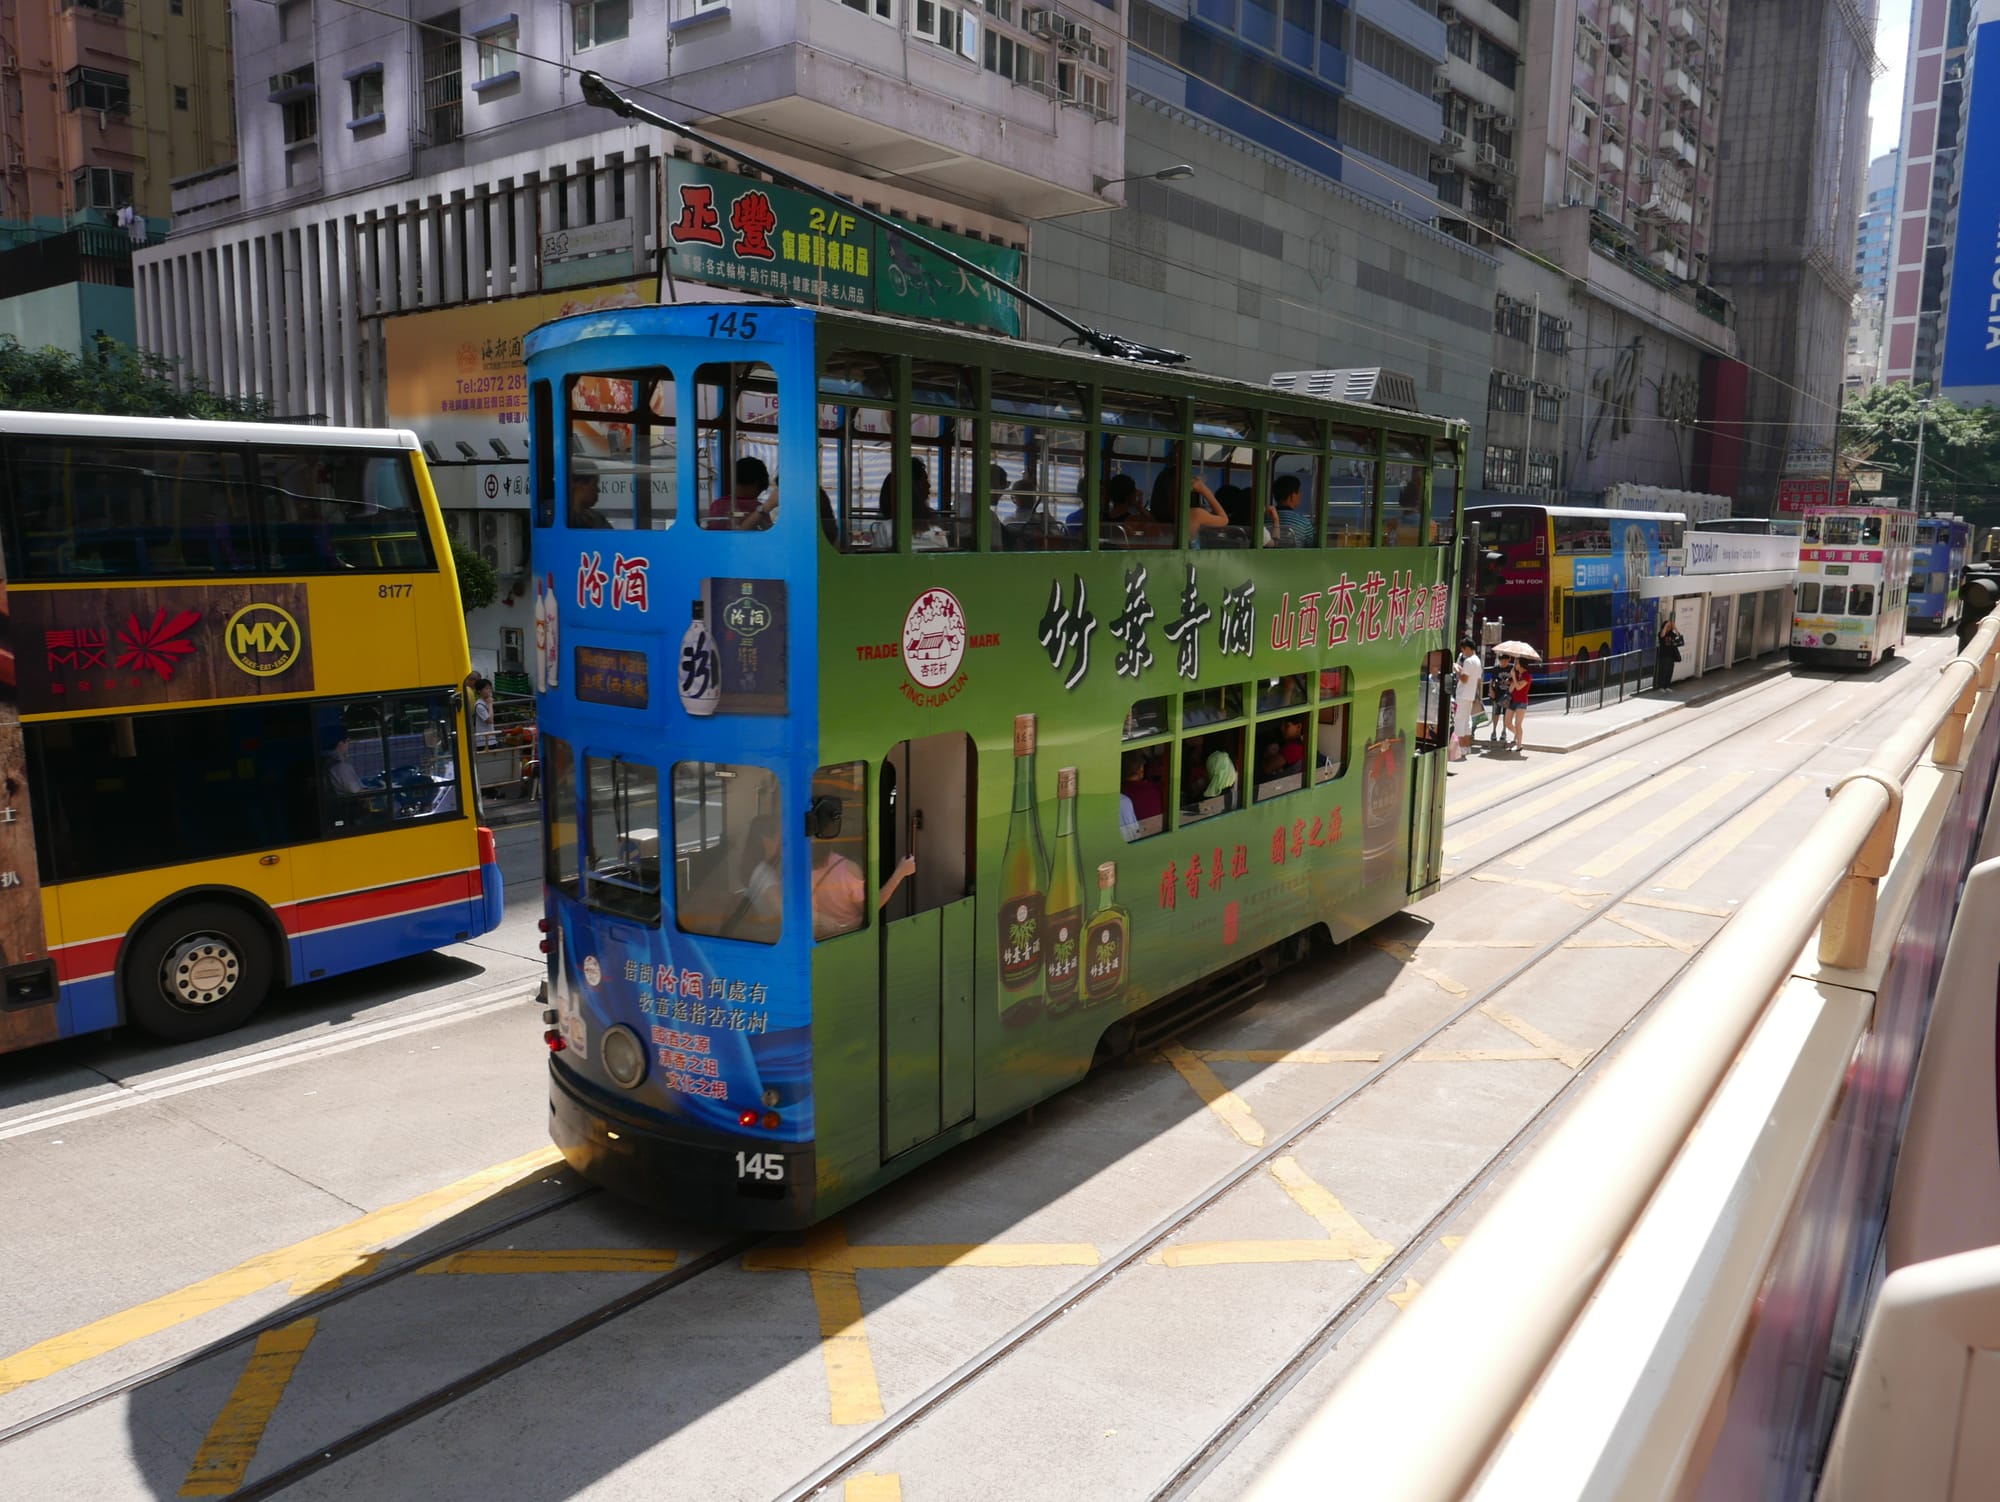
{"x":1371,"y":384}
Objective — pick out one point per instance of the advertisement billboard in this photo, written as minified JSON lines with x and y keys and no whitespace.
{"x":1794,"y":496}
{"x":1971,"y":367}
{"x":455,"y":374}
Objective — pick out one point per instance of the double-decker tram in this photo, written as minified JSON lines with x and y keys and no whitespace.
{"x":1854,"y":575}
{"x":232,"y":720}
{"x":1937,"y":560}
{"x":1567,"y":579}
{"x":918,"y":706}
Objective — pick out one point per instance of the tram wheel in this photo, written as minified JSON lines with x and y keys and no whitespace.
{"x":196,"y":970}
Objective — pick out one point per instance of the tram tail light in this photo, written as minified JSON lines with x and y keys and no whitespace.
{"x":770,"y":1121}
{"x":554,"y":1039}
{"x":746,"y":1118}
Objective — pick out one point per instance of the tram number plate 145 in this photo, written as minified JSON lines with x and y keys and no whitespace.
{"x":769,"y":1167}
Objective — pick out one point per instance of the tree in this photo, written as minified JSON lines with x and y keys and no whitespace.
{"x":115,"y":379}
{"x":1961,"y":446}
{"x":478,"y":584}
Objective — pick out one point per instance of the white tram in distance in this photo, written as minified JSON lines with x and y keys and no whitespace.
{"x":1854,"y":581}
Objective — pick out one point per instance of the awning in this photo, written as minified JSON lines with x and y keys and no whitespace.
{"x":1670,"y":586}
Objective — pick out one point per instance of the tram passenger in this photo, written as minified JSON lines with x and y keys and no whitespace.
{"x":741,"y":510}
{"x":583,"y":510}
{"x":762,"y":896}
{"x":1291,"y":525}
{"x":839,"y":889}
{"x":1140,"y":787}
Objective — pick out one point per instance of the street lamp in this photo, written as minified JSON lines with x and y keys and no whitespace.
{"x":1917,"y":469}
{"x":1179,"y":172}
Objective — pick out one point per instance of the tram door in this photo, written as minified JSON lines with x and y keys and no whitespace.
{"x":927,"y":799}
{"x":1427,"y":771}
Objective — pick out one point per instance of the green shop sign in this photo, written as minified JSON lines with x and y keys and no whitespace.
{"x":741,"y":233}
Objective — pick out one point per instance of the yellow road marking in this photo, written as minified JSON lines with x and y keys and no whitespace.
{"x":1651,"y":934}
{"x":1401,"y":1298}
{"x":1584,"y":900}
{"x":1341,"y":1228}
{"x":1632,"y":943}
{"x":1666,"y":905}
{"x":1529,"y":1033}
{"x":1397,"y":949}
{"x":1645,"y":837}
{"x":1705,"y":856}
{"x":312,"y":1282}
{"x":1482,"y":1056}
{"x":1514,"y":817}
{"x":232,"y":1440}
{"x":322,"y":1259}
{"x":603,"y":1260}
{"x":1291,"y":1055}
{"x":873,"y":1486}
{"x":1218,"y":1097}
{"x":1502,"y":791}
{"x":830,"y":1263}
{"x":1604,"y":813}
{"x":1242,"y":1253}
{"x":1431,"y":941}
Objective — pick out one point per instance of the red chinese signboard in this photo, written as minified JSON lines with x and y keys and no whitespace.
{"x":1795,"y":496}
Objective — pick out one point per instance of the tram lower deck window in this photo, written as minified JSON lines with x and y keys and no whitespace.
{"x":623,"y":832}
{"x":728,"y":852}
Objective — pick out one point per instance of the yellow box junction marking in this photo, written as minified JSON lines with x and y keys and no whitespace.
{"x":1534,"y":807}
{"x":1710,"y":852}
{"x":1667,"y":905}
{"x":1571,"y":895}
{"x":1290,"y":1055}
{"x":1218,"y":1097}
{"x":1604,"y":813}
{"x":1397,"y":949}
{"x":1500,"y":792}
{"x":232,"y":1440}
{"x":1548,"y":1047}
{"x":1411,"y":1287}
{"x":1650,"y":934}
{"x":1346,"y":1240}
{"x":317,"y":1261}
{"x":830,"y":1264}
{"x":1646,"y":836}
{"x":873,"y":1486}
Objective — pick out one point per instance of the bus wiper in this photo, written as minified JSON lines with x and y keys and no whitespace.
{"x":596,"y":91}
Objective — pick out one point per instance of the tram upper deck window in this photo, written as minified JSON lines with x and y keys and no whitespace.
{"x":728,"y":851}
{"x":1038,"y":486}
{"x":624,"y":455}
{"x":1136,"y":451}
{"x":1228,"y":514}
{"x":1406,"y":491}
{"x":1290,"y":515}
{"x":1845,"y":531}
{"x":944,"y":495}
{"x":857,"y":456}
{"x":736,"y":447}
{"x":622,"y":833}
{"x":939,"y":383}
{"x":1350,"y":489}
{"x":1038,"y":398}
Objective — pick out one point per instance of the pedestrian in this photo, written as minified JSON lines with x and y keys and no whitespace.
{"x":1518,"y":683}
{"x":483,"y":737}
{"x":1666,"y":652}
{"x":1465,"y":698}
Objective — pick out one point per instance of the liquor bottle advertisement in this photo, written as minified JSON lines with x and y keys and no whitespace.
{"x":1062,"y":945}
{"x":1024,"y":866}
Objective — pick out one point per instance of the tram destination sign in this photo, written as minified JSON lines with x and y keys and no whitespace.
{"x":735,"y":231}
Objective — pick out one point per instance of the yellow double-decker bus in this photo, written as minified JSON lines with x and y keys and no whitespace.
{"x":233,"y":720}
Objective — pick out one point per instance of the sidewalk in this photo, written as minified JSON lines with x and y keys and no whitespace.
{"x":1549,"y":729}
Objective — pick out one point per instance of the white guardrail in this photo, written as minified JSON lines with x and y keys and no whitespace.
{"x":1666,"y":1300}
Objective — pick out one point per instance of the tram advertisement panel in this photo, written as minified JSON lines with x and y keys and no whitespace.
{"x":23,"y":939}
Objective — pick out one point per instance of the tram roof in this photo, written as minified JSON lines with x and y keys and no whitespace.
{"x":906,"y":334}
{"x":199,"y":430}
{"x":1583,"y":511}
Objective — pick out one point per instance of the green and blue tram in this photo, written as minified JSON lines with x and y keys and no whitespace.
{"x":1937,"y":563}
{"x":919,"y":706}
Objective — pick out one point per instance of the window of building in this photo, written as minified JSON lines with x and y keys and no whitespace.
{"x":294,"y":19}
{"x":1385,"y":54}
{"x":101,"y":188}
{"x":1553,"y":334}
{"x":364,"y":97}
{"x":97,"y":89}
{"x":180,"y":96}
{"x":595,"y":22}
{"x":498,"y":57}
{"x":882,"y":10}
{"x":297,"y":98}
{"x":1014,"y":58}
{"x":1504,"y":466}
{"x":728,"y":852}
{"x":945,"y":26}
{"x":1497,"y":62}
{"x":622,"y":838}
{"x":176,"y":7}
{"x":442,"y":97}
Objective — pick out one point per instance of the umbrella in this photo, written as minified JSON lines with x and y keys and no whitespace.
{"x":1517,"y":649}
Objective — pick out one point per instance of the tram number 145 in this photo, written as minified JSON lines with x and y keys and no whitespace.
{"x":769,"y":1167}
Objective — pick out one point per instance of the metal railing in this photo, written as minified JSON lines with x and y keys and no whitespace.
{"x":1584,"y":1335}
{"x":1593,"y":682}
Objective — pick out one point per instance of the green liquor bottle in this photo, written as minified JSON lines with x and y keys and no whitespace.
{"x":1108,"y":942}
{"x":1023,"y":882}
{"x":1062,"y":929}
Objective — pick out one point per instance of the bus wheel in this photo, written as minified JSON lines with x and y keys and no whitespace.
{"x":196,"y":971}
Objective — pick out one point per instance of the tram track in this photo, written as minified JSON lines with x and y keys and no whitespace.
{"x":895,"y":1425}
{"x":1238,"y":1424}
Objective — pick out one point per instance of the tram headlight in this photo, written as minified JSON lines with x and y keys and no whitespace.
{"x":624,"y":1057}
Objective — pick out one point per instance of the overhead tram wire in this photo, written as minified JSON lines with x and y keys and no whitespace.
{"x":654,"y":91}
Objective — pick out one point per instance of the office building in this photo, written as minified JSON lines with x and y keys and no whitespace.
{"x":1933,"y":97}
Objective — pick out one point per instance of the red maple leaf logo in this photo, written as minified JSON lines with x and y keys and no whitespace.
{"x":159,"y":645}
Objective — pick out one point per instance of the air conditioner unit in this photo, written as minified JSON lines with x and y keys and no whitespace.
{"x":1044,"y":23}
{"x":1079,"y":36}
{"x":1563,"y":324}
{"x":1483,"y":112}
{"x":1505,"y":164}
{"x":1446,"y":14}
{"x":1440,"y":79}
{"x":1488,"y":156}
{"x":1503,"y":122}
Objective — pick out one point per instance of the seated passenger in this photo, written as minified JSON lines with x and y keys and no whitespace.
{"x":1205,"y":515}
{"x":1290,"y":521}
{"x":741,"y":509}
{"x":583,"y":510}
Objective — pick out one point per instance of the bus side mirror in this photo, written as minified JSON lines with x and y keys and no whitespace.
{"x":823,"y":819}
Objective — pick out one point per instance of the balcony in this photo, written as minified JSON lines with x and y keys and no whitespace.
{"x":1680,"y":84}
{"x":1619,"y":20}
{"x":1682,"y":23}
{"x":1611,"y":157}
{"x":1618,"y":87}
{"x":1674,"y":141}
{"x":1683,"y":212}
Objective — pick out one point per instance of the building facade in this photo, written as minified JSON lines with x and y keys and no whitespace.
{"x":1868,"y":325}
{"x":1794,"y":140}
{"x":1969,"y":370}
{"x":103,"y":104}
{"x":1933,"y":99}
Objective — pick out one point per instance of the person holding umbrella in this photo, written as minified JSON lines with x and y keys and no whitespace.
{"x":1511,"y":687}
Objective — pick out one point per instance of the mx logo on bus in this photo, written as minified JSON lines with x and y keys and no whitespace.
{"x":263,"y":640}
